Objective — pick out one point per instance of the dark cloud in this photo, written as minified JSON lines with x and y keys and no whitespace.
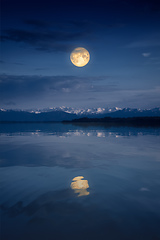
{"x":49,"y":36}
{"x":41,"y":69}
{"x":15,"y":86}
{"x":36,"y":23}
{"x":81,"y":23}
{"x":46,"y":40}
{"x":10,"y":103}
{"x":50,"y":89}
{"x":55,"y":36}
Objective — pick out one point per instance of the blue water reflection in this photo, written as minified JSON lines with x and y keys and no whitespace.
{"x":75,"y":182}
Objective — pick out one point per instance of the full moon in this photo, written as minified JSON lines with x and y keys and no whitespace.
{"x":80,"y":57}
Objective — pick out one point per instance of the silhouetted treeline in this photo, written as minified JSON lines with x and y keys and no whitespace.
{"x":135,"y":121}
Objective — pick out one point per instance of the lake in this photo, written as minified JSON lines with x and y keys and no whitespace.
{"x":63,"y":181}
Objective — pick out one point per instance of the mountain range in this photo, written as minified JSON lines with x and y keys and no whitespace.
{"x":66,"y":113}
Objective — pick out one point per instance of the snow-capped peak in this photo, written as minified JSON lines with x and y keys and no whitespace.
{"x":89,"y":112}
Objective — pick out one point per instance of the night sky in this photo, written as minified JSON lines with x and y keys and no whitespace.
{"x":122,"y":37}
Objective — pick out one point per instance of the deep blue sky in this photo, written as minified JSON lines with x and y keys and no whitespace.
{"x":122,"y":36}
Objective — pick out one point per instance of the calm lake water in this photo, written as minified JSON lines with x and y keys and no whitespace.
{"x":60,"y":181}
